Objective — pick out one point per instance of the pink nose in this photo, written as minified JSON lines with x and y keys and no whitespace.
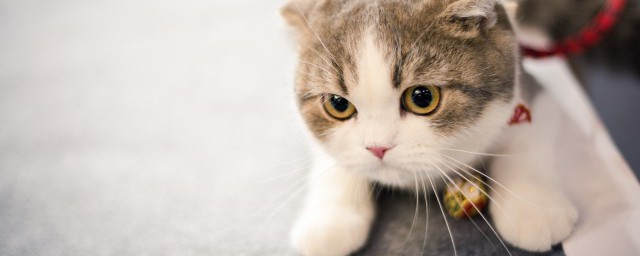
{"x":378,"y":151}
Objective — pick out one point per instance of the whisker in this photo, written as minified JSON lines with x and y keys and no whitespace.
{"x":474,"y":206}
{"x":303,"y":167}
{"x":494,"y":181}
{"x":455,"y":252}
{"x":274,"y":212}
{"x":287,"y":200}
{"x":415,"y":42}
{"x":426,"y":208}
{"x":314,"y":32}
{"x":294,"y":186}
{"x":466,"y":172}
{"x":313,"y":77}
{"x":297,"y":186}
{"x":373,"y":188}
{"x":379,"y":192}
{"x":468,"y":152}
{"x":495,"y":202}
{"x":415,"y":214}
{"x":471,"y":219}
{"x":321,"y":68}
{"x":320,"y":55}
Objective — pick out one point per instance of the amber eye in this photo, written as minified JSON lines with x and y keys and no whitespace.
{"x":421,"y":99}
{"x":338,"y":107}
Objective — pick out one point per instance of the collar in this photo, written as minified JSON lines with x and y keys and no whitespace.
{"x":588,"y":37}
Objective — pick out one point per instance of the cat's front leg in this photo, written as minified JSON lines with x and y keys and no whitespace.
{"x":529,"y":207}
{"x":532,"y":215}
{"x":337,"y":215}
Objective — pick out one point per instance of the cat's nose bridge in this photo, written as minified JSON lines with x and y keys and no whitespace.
{"x":379,"y":128}
{"x":380,"y":115}
{"x":380,"y":108}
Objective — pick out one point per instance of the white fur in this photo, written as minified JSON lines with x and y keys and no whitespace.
{"x":339,"y":211}
{"x":375,"y":98}
{"x":534,"y":214}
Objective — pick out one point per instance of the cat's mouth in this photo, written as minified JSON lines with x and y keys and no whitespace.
{"x":376,"y":167}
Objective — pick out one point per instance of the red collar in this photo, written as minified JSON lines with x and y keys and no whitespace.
{"x":588,"y":37}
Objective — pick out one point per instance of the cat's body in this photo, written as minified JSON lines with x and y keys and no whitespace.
{"x":564,"y":19}
{"x":411,"y":93}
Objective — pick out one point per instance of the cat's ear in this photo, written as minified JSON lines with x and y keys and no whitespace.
{"x":296,"y":12}
{"x":511,"y":7}
{"x":468,"y":18}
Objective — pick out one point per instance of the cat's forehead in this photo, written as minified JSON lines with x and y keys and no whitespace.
{"x":412,"y":37}
{"x":369,"y":53}
{"x":392,"y":20}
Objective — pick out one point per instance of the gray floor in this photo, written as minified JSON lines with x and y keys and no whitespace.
{"x":616,"y":96}
{"x":392,"y":233}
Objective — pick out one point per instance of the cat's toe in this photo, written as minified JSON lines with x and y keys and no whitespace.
{"x":335,"y":232}
{"x":534,"y":225}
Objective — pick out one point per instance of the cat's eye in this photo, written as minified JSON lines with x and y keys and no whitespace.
{"x":421,"y":99}
{"x":338,"y":107}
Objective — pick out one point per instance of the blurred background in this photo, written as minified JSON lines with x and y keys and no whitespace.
{"x":167,"y":128}
{"x":614,"y":94}
{"x":146,"y":127}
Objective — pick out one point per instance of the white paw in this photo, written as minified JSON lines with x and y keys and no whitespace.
{"x":331,"y":232}
{"x":535,"y":219}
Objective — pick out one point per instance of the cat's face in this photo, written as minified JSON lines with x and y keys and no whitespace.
{"x":393,"y":89}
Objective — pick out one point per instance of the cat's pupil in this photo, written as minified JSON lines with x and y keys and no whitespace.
{"x":339,"y":103}
{"x":422,"y":97}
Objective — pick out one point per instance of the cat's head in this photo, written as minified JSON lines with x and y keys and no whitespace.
{"x":392,"y":89}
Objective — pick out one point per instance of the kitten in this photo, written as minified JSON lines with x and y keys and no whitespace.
{"x":564,"y":19}
{"x":402,"y":93}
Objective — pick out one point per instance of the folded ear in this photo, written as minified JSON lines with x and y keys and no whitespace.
{"x":468,"y":18}
{"x":511,"y":6}
{"x":296,"y":12}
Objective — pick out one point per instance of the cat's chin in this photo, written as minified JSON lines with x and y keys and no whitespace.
{"x":396,"y":176}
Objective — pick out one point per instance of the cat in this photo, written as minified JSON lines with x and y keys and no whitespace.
{"x":563,"y":19}
{"x":407,"y":92}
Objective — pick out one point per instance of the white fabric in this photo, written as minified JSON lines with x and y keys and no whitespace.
{"x":138,"y":127}
{"x":597,"y":178}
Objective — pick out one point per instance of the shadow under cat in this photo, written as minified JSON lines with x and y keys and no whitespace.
{"x":392,"y":233}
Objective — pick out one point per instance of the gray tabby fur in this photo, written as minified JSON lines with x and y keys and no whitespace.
{"x":476,"y":64}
